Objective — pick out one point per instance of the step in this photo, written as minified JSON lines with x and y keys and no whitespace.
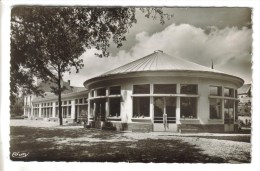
{"x":188,"y":130}
{"x":141,"y":130}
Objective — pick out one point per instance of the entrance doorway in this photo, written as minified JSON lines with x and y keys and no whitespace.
{"x":100,"y":112}
{"x":162,"y":106}
{"x":229,"y":115}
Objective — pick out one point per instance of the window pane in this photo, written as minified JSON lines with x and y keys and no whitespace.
{"x":92,"y":93}
{"x":229,"y":108}
{"x":64,"y":112}
{"x":69,"y":111}
{"x":80,"y":101}
{"x":189,"y":89}
{"x":114,"y":107}
{"x":228,"y":92}
{"x":158,"y":108}
{"x":141,"y":107}
{"x":83,"y":111}
{"x":101,"y":92}
{"x":57,"y":112}
{"x":85,"y":100}
{"x":170,"y":107}
{"x":142,"y":89}
{"x":215,"y":91}
{"x":165,"y":89}
{"x":188,"y":107}
{"x":115,"y":90}
{"x":215,"y":109}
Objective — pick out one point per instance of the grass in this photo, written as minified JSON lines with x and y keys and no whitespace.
{"x":229,"y":138}
{"x":49,"y":144}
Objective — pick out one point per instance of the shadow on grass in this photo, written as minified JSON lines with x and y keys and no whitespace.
{"x":23,"y":139}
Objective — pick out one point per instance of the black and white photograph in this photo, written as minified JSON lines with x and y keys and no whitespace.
{"x":131,"y":84}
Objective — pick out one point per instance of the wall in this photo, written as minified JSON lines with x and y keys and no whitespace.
{"x":203,"y":92}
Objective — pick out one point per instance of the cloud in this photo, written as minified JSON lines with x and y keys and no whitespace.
{"x":228,"y":46}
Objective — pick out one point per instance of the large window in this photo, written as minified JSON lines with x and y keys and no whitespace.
{"x":215,"y":108}
{"x":66,"y":109}
{"x":164,"y":88}
{"x":141,"y":107}
{"x":188,"y":107}
{"x":229,"y":108}
{"x":46,"y":110}
{"x":114,"y":107}
{"x":189,"y":89}
{"x":81,"y":108}
{"x":142,"y":89}
{"x":36,"y":110}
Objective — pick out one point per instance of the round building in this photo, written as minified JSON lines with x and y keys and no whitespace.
{"x":160,"y":92}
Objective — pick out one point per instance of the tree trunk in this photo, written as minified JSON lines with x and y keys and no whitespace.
{"x":59,"y":95}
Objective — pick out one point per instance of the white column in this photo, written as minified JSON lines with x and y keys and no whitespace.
{"x":53,"y":109}
{"x":24,"y":111}
{"x":178,"y":105}
{"x":40,"y":110}
{"x":107,"y":107}
{"x":203,"y":103}
{"x":72,"y":109}
{"x":222,"y":103}
{"x":89,"y":113}
{"x":151,"y":103}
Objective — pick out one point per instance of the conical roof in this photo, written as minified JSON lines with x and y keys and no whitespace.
{"x":159,"y":61}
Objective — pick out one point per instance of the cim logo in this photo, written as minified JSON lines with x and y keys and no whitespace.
{"x":20,"y":154}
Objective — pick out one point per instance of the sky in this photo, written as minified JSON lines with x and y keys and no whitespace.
{"x":201,"y":35}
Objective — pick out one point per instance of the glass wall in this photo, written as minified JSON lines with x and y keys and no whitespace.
{"x":188,"y":107}
{"x":229,"y":96}
{"x":188,"y":104}
{"x":215,"y":108}
{"x":141,"y":107}
{"x":81,"y":108}
{"x":36,"y":110}
{"x":46,"y":110}
{"x":229,"y":109}
{"x":114,"y":107}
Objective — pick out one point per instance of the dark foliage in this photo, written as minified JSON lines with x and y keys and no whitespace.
{"x":46,"y":42}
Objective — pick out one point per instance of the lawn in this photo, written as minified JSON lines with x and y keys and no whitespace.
{"x":89,"y":145}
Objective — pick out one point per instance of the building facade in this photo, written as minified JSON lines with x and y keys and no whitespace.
{"x":74,"y":104}
{"x":158,"y":92}
{"x":163,"y":93}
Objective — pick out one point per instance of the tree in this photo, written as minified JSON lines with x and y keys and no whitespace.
{"x":46,"y":42}
{"x":17,"y":107}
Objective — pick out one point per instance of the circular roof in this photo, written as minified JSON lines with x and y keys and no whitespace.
{"x":158,"y":61}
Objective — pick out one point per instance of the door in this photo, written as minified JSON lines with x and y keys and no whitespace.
{"x":165,"y":114}
{"x":229,"y":115}
{"x":100,"y":112}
